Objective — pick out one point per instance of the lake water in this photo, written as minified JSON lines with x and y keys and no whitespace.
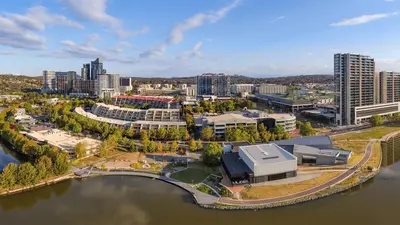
{"x":7,"y":156}
{"x":123,"y":200}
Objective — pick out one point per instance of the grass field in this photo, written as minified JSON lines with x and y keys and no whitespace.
{"x":191,"y":175}
{"x":375,"y":159}
{"x":358,"y":148}
{"x":367,"y":134}
{"x":261,"y":192}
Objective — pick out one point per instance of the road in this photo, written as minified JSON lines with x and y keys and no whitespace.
{"x":321,"y":187}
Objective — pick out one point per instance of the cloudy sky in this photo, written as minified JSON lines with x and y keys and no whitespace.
{"x":187,"y":37}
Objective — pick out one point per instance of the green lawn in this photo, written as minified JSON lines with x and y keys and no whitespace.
{"x":367,"y":134}
{"x":191,"y":175}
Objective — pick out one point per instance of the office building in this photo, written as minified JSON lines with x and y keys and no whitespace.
{"x":354,"y":85}
{"x":81,"y":86}
{"x":49,"y":81}
{"x":59,"y":73}
{"x":71,"y":75}
{"x":96,"y":68}
{"x":183,"y":86}
{"x":242,"y":88}
{"x":259,"y":163}
{"x":62,"y":84}
{"x":388,"y":88}
{"x":191,"y":91}
{"x":125,"y":84}
{"x":247,"y":118}
{"x":271,"y":89}
{"x":85,"y":71}
{"x":213,"y":84}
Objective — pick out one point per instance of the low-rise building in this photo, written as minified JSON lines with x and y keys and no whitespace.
{"x":116,"y":112}
{"x":259,"y":163}
{"x":151,"y":101}
{"x":241,"y":88}
{"x":271,"y":89}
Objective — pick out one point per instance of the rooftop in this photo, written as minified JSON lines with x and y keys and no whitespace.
{"x":266,"y":153}
{"x":230,"y":118}
{"x":314,"y":140}
{"x":235,"y":165}
{"x":134,"y":110}
{"x":146,"y":98}
{"x":308,"y":150}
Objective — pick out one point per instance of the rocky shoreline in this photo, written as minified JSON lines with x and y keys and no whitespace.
{"x":318,"y":195}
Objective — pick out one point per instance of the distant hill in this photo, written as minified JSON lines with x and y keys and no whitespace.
{"x":240,"y":79}
{"x":14,"y":83}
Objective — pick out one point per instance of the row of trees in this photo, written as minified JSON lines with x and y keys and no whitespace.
{"x":306,"y":129}
{"x":251,"y":134}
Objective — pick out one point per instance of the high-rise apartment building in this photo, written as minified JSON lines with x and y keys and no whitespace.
{"x":241,"y":88}
{"x":354,"y":85}
{"x":85,"y":71}
{"x":62,"y":84}
{"x":213,"y":84}
{"x":96,"y":68}
{"x":388,"y":90}
{"x":49,"y":81}
{"x":71,"y":75}
{"x":108,"y":85}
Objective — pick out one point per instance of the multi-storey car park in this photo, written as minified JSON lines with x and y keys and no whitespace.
{"x":152,"y":101}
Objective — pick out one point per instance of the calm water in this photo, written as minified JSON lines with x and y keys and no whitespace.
{"x":126,"y":200}
{"x":7,"y":156}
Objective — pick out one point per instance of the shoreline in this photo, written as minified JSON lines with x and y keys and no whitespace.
{"x":213,"y":205}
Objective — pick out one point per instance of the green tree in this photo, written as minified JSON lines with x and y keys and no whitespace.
{"x":61,"y":163}
{"x":152,"y":146}
{"x":174,"y":134}
{"x":306,"y":129}
{"x":9,"y":176}
{"x":80,"y":150}
{"x":207,"y":133}
{"x":174,"y":146}
{"x":272,"y":137}
{"x":212,"y":154}
{"x":286,"y":136}
{"x":376,"y":120}
{"x":162,"y":134}
{"x":43,"y":166}
{"x":252,"y":141}
{"x":279,"y":129}
{"x":27,"y":174}
{"x":192,"y":145}
{"x":152,"y":134}
{"x":159,"y":147}
{"x":199,"y":145}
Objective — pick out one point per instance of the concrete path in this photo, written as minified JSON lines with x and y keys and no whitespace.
{"x":321,"y":187}
{"x":298,"y":178}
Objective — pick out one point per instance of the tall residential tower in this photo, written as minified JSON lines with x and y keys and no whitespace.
{"x":213,"y":84}
{"x":354,"y":85}
{"x":97,"y":68}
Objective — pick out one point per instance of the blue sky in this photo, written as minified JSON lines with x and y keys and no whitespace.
{"x":159,"y":38}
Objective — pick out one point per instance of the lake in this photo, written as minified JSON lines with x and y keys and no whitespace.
{"x":123,"y":200}
{"x":7,"y":156}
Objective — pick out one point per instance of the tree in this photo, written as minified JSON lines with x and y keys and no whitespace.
{"x":9,"y":175}
{"x":252,"y":141}
{"x":192,"y":145}
{"x":76,"y":128}
{"x":212,"y":154}
{"x":306,"y":129}
{"x":80,"y":150}
{"x":61,"y":163}
{"x":272,"y":137}
{"x":185,"y":134}
{"x":43,"y":166}
{"x":207,"y":133}
{"x":152,"y":134}
{"x":199,"y":145}
{"x":152,"y":146}
{"x":174,"y":146}
{"x":162,"y":134}
{"x":174,"y":134}
{"x":286,"y":136}
{"x":159,"y":147}
{"x":26,"y":174}
{"x":376,"y":120}
{"x":279,"y":129}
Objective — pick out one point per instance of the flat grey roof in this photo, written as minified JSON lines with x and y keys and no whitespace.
{"x":266,"y":153}
{"x":314,"y":140}
{"x":308,"y":150}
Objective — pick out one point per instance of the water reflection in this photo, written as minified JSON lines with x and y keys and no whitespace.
{"x":27,"y":200}
{"x":7,"y":156}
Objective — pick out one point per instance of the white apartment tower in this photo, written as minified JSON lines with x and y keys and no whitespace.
{"x":49,"y":81}
{"x":354,"y":85}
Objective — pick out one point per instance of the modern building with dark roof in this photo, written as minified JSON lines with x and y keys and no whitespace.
{"x":317,"y":150}
{"x":259,"y":163}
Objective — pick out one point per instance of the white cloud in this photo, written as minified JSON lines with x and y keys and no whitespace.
{"x":194,"y":52}
{"x":277,"y":19}
{"x":7,"y":52}
{"x":19,"y":31}
{"x":176,"y":34}
{"x":389,"y":0}
{"x":95,"y":11}
{"x":362,"y":19}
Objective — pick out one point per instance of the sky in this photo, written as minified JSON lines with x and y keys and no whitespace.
{"x":176,"y":38}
